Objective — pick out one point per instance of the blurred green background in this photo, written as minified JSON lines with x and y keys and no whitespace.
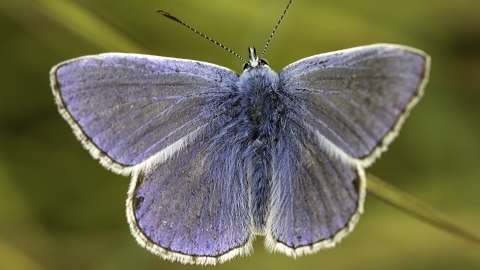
{"x":61,"y":210}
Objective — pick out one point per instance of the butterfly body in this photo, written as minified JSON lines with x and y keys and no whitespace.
{"x":259,"y":90}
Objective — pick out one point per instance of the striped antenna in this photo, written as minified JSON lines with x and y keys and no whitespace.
{"x":170,"y":16}
{"x":275,"y":29}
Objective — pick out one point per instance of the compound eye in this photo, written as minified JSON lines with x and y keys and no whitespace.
{"x":246,"y":66}
{"x":263,"y":62}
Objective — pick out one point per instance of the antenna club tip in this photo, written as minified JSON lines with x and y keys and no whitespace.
{"x":168,"y":15}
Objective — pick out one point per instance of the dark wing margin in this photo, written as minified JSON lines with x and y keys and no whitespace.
{"x":193,"y":208}
{"x":126,"y":108}
{"x":357,"y":99}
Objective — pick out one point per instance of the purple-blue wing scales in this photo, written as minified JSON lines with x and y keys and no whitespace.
{"x":193,"y":207}
{"x":167,"y":122}
{"x":125,"y":108}
{"x":358,"y":98}
{"x":316,"y":199}
{"x":347,"y":106}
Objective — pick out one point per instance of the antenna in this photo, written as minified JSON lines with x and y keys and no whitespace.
{"x":171,"y":17}
{"x":275,"y":29}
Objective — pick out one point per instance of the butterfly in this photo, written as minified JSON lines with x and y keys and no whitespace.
{"x":217,"y":158}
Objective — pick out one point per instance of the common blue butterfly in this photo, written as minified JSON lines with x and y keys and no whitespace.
{"x":217,"y":158}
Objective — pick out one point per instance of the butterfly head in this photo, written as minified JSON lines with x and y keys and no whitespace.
{"x":254,"y":60}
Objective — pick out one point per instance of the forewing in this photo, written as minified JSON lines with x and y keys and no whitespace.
{"x":357,"y":99}
{"x":193,"y":207}
{"x":316,"y":200}
{"x":125,"y":108}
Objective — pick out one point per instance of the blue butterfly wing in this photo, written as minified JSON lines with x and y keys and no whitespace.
{"x":167,"y":122}
{"x":358,"y":98}
{"x":316,"y":199}
{"x":194,"y":207}
{"x":125,"y":108}
{"x":345,"y":107}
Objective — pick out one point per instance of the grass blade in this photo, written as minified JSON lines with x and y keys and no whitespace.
{"x":88,"y":26}
{"x":416,"y":208}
